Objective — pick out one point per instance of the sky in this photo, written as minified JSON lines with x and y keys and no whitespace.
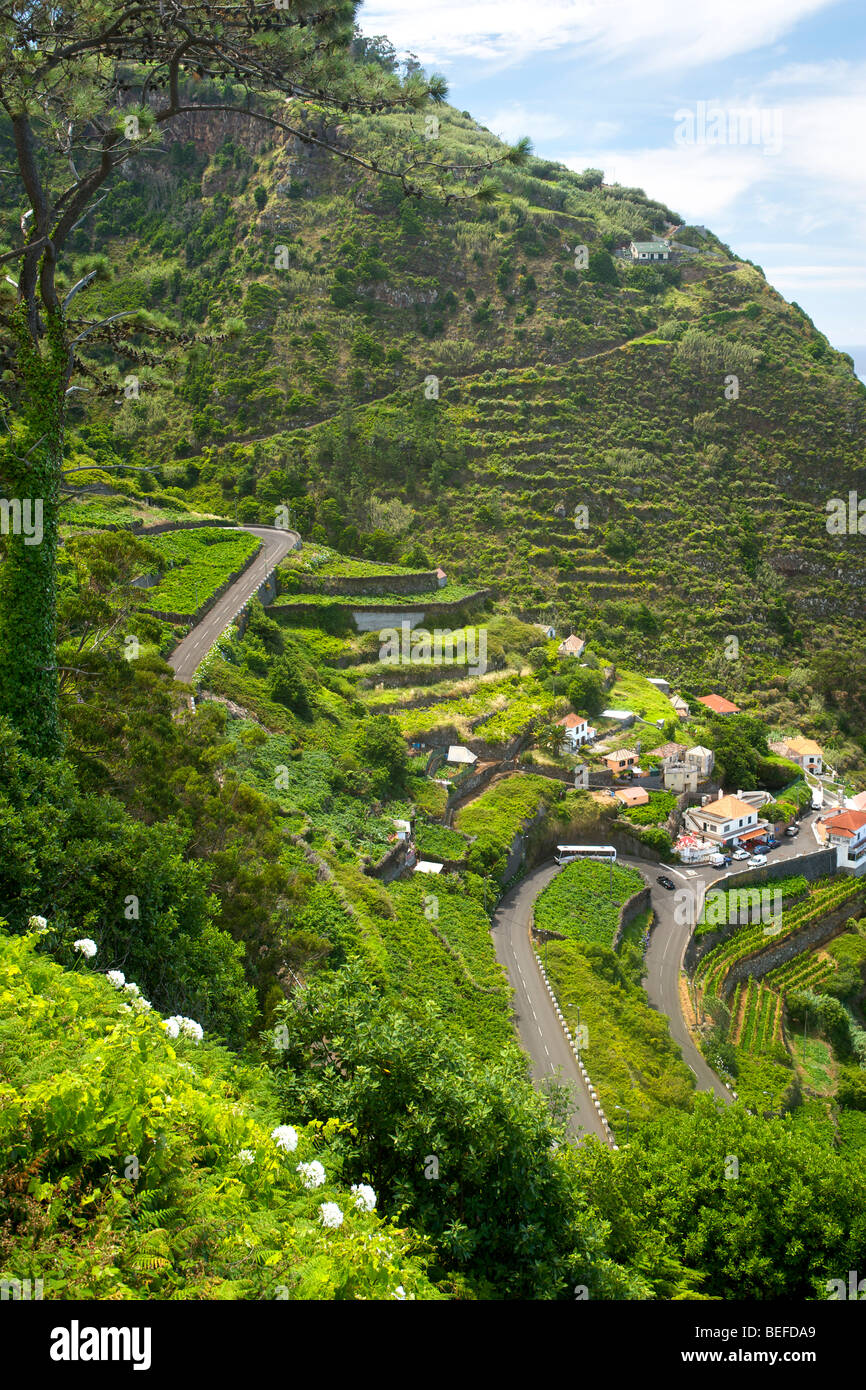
{"x":746,"y":116}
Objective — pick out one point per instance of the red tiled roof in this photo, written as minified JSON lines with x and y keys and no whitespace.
{"x":846,"y":823}
{"x":718,"y":704}
{"x":571,"y":721}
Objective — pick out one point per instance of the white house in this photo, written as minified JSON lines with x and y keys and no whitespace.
{"x":807,"y":753}
{"x":680,"y":706}
{"x":576,"y":729}
{"x":645,"y":251}
{"x":680,"y":777}
{"x":572,"y":646}
{"x":847,"y":832}
{"x":660,"y":684}
{"x":703,"y":758}
{"x":726,"y":820}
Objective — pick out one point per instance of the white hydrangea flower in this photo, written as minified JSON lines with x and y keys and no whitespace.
{"x":285,"y":1137}
{"x":331,"y":1215}
{"x":116,"y":978}
{"x":365,"y":1197}
{"x":86,"y":947}
{"x":141,"y":1005}
{"x":312,"y":1174}
{"x":246,"y":1156}
{"x":131,"y":988}
{"x":38,"y":924}
{"x":171,"y":1026}
{"x":399,"y":1292}
{"x":191,"y":1029}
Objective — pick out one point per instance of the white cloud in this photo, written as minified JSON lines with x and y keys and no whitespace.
{"x":794,"y":278}
{"x":514,"y":120}
{"x":700,"y":182}
{"x":661,"y":35}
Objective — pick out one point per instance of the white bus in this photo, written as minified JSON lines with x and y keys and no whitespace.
{"x":566,"y":854}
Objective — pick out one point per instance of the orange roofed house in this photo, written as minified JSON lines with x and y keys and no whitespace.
{"x":632,"y":796}
{"x":718,"y":704}
{"x":726,"y":820}
{"x":804,"y":751}
{"x":621,"y":758}
{"x":847,"y":832}
{"x":576,"y":729}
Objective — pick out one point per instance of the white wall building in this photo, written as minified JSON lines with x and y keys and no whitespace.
{"x":577,"y":730}
{"x":704,"y":759}
{"x":726,"y":820}
{"x":847,"y":833}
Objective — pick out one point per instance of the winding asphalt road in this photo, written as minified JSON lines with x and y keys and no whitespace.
{"x":538,"y":1027}
{"x":276,"y":545}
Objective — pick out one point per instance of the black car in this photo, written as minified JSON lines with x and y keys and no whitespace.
{"x":665,"y":881}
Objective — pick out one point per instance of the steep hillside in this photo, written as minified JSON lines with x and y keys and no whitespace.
{"x":643,"y":452}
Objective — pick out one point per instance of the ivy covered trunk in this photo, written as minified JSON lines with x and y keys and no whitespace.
{"x":31,"y":459}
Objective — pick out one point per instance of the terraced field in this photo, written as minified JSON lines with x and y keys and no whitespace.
{"x":201,"y":561}
{"x":716,"y":965}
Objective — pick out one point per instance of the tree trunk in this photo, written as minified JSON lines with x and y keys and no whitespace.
{"x":31,"y":460}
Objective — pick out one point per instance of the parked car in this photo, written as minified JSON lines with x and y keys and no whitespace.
{"x":741,"y":854}
{"x":758,"y":860}
{"x":792,"y":830}
{"x":665,"y":881}
{"x":771,"y":844}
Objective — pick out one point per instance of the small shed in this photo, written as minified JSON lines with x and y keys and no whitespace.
{"x":632,"y":796}
{"x":458,"y":754}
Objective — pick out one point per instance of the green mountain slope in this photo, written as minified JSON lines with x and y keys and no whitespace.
{"x":451,"y":356}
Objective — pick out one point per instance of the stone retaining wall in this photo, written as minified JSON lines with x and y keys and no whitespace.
{"x":390,"y":866}
{"x":158,"y":527}
{"x":376,"y":619}
{"x":421,"y":583}
{"x":636,"y":904}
